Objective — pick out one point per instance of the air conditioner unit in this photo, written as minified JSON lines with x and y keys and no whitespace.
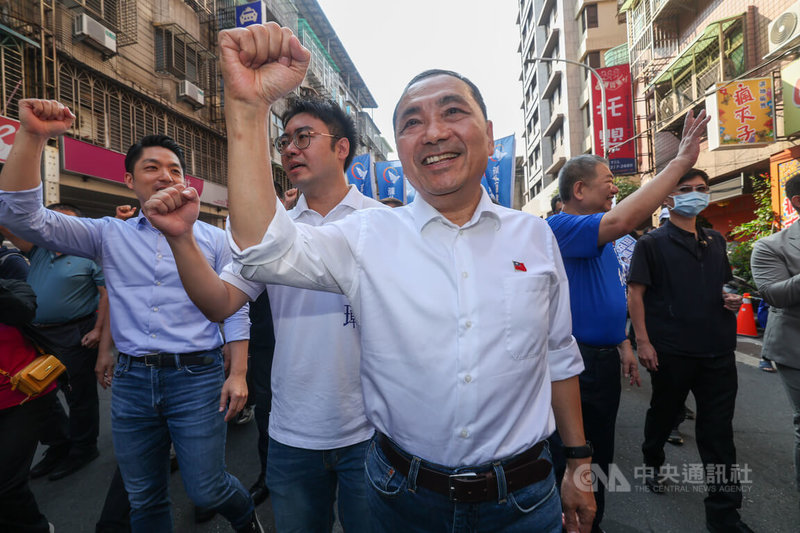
{"x":784,"y":31}
{"x":88,"y":30}
{"x":189,"y":92}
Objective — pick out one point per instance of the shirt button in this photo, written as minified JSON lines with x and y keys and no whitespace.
{"x":464,"y":433}
{"x":464,"y":275}
{"x":461,"y":232}
{"x":468,"y":378}
{"x":158,"y":283}
{"x":159,"y":256}
{"x":468,"y":324}
{"x":155,"y":309}
{"x":153,"y":335}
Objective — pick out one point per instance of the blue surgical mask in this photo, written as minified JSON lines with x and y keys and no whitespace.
{"x":691,"y":203}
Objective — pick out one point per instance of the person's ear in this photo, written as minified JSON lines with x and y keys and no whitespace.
{"x":129,"y":180}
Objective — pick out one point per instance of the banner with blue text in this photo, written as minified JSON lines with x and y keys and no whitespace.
{"x":389,"y":175}
{"x":360,"y":174}
{"x":498,"y":180}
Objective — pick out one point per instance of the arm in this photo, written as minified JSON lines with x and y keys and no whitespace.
{"x":23,"y":245}
{"x":234,"y":391}
{"x":647,"y":354}
{"x":260,"y":64}
{"x":92,"y":338}
{"x":774,"y":281}
{"x":104,"y":367}
{"x":630,"y":368}
{"x":576,"y":488}
{"x":17,"y":302}
{"x":630,"y":212}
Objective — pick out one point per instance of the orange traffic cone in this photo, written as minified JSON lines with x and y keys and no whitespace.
{"x":746,"y":320}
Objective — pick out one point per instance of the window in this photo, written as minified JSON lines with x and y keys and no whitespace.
{"x":589,"y":17}
{"x":177,"y":53}
{"x":593,"y":60}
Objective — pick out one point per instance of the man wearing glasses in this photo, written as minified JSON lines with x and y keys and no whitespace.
{"x":686,"y":335}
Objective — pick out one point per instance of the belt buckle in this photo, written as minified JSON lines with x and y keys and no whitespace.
{"x":451,"y":482}
{"x":152,"y":359}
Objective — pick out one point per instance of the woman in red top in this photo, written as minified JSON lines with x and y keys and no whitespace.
{"x":20,"y":423}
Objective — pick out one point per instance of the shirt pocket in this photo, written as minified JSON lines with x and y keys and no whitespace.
{"x":526,"y":321}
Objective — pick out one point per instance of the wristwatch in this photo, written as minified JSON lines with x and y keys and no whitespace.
{"x":579,"y":452}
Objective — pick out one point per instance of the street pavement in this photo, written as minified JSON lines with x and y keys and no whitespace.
{"x":763,"y":434}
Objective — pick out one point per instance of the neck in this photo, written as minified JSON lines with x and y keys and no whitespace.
{"x":685,"y":223}
{"x":453,"y":209}
{"x":577,"y":208}
{"x":326,"y":196}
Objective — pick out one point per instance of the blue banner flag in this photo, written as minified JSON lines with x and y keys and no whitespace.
{"x":499,"y":176}
{"x":251,"y":13}
{"x":411,"y":192}
{"x":389,"y":175}
{"x":360,"y":174}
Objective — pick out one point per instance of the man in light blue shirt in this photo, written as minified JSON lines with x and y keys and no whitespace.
{"x":169,"y":382}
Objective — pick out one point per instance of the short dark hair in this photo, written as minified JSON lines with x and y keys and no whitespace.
{"x":579,"y":168}
{"x":135,"y":151}
{"x":553,"y":201}
{"x":326,"y":110}
{"x":792,"y":188}
{"x":693,"y":173}
{"x":476,"y":93}
{"x":65,"y":207}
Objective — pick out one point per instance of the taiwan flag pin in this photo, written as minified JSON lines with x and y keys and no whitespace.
{"x":519,"y":265}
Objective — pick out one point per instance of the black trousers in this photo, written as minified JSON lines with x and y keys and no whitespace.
{"x":601,"y":387}
{"x":259,"y":375}
{"x":20,"y":430}
{"x":81,"y":427}
{"x":714,"y":383}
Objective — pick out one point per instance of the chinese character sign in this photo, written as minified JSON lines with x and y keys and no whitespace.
{"x":790,"y":79}
{"x":785,"y":208}
{"x":360,"y":174}
{"x":741,"y":114}
{"x":498,"y":179}
{"x":389,"y":175}
{"x":8,"y":131}
{"x":619,"y":118}
{"x":247,"y":14}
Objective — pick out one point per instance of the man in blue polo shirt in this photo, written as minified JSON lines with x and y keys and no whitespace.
{"x":71,"y":302}
{"x":586,"y":230}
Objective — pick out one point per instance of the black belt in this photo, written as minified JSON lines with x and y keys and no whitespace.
{"x":473,"y":487}
{"x":162,"y":359}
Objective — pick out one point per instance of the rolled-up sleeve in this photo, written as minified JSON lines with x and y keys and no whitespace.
{"x":563,"y":356}
{"x":299,"y":255}
{"x":237,"y":326}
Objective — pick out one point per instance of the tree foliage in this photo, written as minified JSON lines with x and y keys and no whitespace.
{"x":626,"y":187}
{"x":747,"y":233}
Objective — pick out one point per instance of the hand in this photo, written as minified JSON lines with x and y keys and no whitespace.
{"x":693,"y":130}
{"x":104,"y":368}
{"x":124,"y":212}
{"x":234,"y":395}
{"x":732,"y":302}
{"x":630,"y":367}
{"x":647,"y":355}
{"x":261,"y":63}
{"x":44,"y":118}
{"x":91,"y":339}
{"x":174,"y":210}
{"x":290,"y":198}
{"x":577,"y":498}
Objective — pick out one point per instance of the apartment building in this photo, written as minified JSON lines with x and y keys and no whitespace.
{"x":129,"y":68}
{"x":556,"y":93}
{"x":681,"y":54}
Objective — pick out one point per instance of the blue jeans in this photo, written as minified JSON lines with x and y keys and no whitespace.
{"x":302,"y":485}
{"x":151,"y":406}
{"x":395,"y":507}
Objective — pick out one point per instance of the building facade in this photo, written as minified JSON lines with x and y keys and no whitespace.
{"x":129,"y":68}
{"x":556,"y":94}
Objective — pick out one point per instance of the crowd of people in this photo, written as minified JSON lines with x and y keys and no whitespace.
{"x":437,"y":402}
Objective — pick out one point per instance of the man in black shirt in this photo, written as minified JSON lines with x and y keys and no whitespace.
{"x":685,"y":328}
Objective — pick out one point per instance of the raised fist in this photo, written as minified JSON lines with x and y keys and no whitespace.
{"x":174,"y":210}
{"x":261,"y":63}
{"x":45,"y":118}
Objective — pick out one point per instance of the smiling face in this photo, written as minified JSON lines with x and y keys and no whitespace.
{"x":322,"y":160}
{"x":443,"y":141}
{"x":156,"y":169}
{"x":597,"y":194}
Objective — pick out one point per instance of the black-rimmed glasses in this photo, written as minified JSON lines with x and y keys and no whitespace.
{"x":301,"y":139}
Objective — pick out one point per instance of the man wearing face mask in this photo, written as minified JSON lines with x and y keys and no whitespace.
{"x":686,"y":335}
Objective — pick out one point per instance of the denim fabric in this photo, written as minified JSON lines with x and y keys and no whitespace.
{"x":302,"y":485}
{"x":395,"y":507}
{"x":152,"y":405}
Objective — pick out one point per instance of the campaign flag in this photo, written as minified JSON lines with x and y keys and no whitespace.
{"x":389,"y":175}
{"x":360,"y":174}
{"x":619,"y":118}
{"x":8,"y":132}
{"x":411,"y":192}
{"x":250,"y":13}
{"x":498,"y":179}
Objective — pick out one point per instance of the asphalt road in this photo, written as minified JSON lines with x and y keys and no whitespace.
{"x":763,"y":425}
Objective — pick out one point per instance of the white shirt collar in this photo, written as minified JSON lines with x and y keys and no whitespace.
{"x":353,"y":199}
{"x":423,"y":213}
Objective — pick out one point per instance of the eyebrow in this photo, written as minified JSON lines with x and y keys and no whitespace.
{"x":157,"y":162}
{"x":301,"y":128}
{"x":441,"y":102}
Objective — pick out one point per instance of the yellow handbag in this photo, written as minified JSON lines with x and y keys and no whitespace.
{"x":36,"y":376}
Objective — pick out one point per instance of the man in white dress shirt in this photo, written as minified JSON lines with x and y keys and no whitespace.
{"x":468,"y":362}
